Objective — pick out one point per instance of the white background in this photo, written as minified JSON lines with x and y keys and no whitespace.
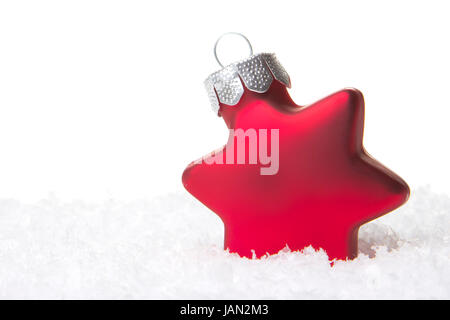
{"x":105,"y":99}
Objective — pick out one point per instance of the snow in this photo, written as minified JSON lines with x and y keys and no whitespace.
{"x":171,"y":247}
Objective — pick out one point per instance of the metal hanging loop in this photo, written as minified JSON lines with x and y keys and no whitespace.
{"x":231,"y":33}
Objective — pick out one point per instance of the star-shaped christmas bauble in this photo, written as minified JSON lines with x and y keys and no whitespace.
{"x":321,"y":184}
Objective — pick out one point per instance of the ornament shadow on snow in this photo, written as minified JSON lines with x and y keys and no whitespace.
{"x":326,"y":185}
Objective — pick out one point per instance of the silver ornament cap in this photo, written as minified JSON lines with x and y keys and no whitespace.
{"x":256,"y":73}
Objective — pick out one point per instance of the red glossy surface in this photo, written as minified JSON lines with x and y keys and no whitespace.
{"x":327,"y":185}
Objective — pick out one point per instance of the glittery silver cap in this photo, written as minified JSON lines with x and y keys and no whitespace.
{"x":256,"y":72}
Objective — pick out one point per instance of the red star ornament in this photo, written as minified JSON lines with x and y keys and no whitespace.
{"x":326,"y":185}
